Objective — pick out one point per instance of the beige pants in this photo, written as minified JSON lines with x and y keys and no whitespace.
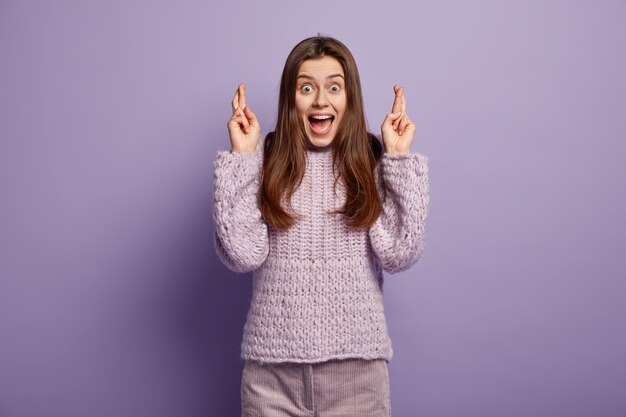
{"x":337,"y":388}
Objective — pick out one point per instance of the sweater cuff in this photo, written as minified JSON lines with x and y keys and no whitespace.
{"x":399,"y":169}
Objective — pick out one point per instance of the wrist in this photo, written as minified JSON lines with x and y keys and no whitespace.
{"x":397,"y":151}
{"x":241,"y":150}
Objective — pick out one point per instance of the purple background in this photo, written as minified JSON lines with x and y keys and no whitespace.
{"x":112,"y":299}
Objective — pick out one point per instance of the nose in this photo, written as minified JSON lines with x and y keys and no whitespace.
{"x":320,"y":99}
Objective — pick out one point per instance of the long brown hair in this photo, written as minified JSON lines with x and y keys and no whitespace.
{"x":355,"y":151}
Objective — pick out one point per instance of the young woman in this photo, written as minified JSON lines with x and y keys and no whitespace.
{"x":318,"y":209}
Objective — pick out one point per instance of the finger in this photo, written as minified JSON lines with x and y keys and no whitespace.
{"x":240,"y":118}
{"x":235,"y":102}
{"x":236,"y":117}
{"x":396,"y":122}
{"x":245,"y":124}
{"x":403,"y":123}
{"x":400,"y":101}
{"x":390,"y":118}
{"x":234,"y":122}
{"x":410,"y":127}
{"x":252,"y":120}
{"x":397,"y":103}
{"x":242,"y":96}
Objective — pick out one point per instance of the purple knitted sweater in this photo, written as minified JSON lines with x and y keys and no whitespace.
{"x":317,"y":287}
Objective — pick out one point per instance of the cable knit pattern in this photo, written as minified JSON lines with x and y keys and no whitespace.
{"x":318,"y":287}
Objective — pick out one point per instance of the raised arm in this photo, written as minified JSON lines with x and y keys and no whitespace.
{"x":241,"y":235}
{"x":397,"y":236}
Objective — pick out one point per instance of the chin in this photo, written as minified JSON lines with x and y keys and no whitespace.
{"x":320,"y":142}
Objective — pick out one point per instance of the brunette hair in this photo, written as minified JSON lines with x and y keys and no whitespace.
{"x":356,"y":152}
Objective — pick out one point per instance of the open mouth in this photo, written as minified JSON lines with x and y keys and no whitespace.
{"x":321,"y":124}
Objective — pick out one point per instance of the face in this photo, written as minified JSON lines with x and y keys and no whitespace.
{"x":321,"y":98}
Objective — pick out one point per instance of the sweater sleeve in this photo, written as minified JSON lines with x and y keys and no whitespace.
{"x":397,"y":236}
{"x":241,"y":235}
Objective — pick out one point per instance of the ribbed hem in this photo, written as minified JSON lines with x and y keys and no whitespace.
{"x":387,"y":356}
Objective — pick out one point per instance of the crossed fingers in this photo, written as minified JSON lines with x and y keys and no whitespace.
{"x":239,"y":101}
{"x":399,"y":105}
{"x":238,"y":106}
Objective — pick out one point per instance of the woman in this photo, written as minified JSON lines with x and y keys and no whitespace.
{"x":317,"y":210}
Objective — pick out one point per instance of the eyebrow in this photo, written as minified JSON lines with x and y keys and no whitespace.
{"x":308,"y":77}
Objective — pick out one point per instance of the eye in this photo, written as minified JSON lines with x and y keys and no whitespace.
{"x":335,"y":88}
{"x":306,"y":88}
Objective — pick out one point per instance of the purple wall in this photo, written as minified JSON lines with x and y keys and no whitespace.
{"x":112,"y":300}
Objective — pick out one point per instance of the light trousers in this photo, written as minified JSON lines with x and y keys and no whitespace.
{"x":336,"y":388}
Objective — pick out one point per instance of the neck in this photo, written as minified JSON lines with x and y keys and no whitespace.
{"x":313,"y":148}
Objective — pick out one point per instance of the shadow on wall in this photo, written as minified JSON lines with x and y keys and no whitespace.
{"x":209,"y":314}
{"x":229,"y":295}
{"x":223,"y":298}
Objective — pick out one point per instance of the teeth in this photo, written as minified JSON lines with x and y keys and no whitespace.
{"x":321,"y":117}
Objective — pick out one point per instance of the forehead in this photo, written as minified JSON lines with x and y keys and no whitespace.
{"x":321,"y":67}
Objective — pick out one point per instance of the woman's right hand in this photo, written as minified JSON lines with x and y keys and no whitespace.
{"x":243,"y":126}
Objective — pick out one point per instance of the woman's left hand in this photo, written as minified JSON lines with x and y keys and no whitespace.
{"x":397,"y":129}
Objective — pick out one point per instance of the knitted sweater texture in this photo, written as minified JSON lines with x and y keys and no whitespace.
{"x":318,"y":287}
